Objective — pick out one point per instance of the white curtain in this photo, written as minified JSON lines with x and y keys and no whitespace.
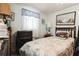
{"x":31,"y":24}
{"x":31,"y":21}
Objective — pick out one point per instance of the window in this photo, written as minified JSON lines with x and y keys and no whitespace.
{"x":30,"y":21}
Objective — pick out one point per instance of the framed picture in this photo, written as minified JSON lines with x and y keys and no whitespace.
{"x":66,"y":18}
{"x":12,"y":16}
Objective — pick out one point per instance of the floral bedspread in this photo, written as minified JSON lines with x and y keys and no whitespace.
{"x":50,"y":46}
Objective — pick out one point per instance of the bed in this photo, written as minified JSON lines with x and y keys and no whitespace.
{"x":62,"y":44}
{"x":49,"y":46}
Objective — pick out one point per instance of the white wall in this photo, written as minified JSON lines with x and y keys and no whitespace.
{"x":52,"y":17}
{"x":17,"y":24}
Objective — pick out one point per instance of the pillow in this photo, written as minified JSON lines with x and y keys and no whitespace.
{"x":64,"y":34}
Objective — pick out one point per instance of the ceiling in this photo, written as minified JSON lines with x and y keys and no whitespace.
{"x":50,"y":7}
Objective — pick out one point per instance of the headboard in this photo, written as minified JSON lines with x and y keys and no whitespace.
{"x":71,"y":29}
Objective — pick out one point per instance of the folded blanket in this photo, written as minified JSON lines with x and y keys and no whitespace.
{"x":3,"y":26}
{"x":3,"y":32}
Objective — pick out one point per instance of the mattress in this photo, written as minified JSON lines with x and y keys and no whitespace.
{"x":50,"y":46}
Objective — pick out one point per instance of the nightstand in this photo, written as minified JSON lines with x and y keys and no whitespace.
{"x":48,"y":35}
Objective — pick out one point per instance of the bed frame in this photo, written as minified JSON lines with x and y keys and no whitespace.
{"x":71,"y":29}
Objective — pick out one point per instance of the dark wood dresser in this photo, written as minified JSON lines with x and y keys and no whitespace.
{"x":21,"y":38}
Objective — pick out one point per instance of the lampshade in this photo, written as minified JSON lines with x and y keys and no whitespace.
{"x":5,"y":9}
